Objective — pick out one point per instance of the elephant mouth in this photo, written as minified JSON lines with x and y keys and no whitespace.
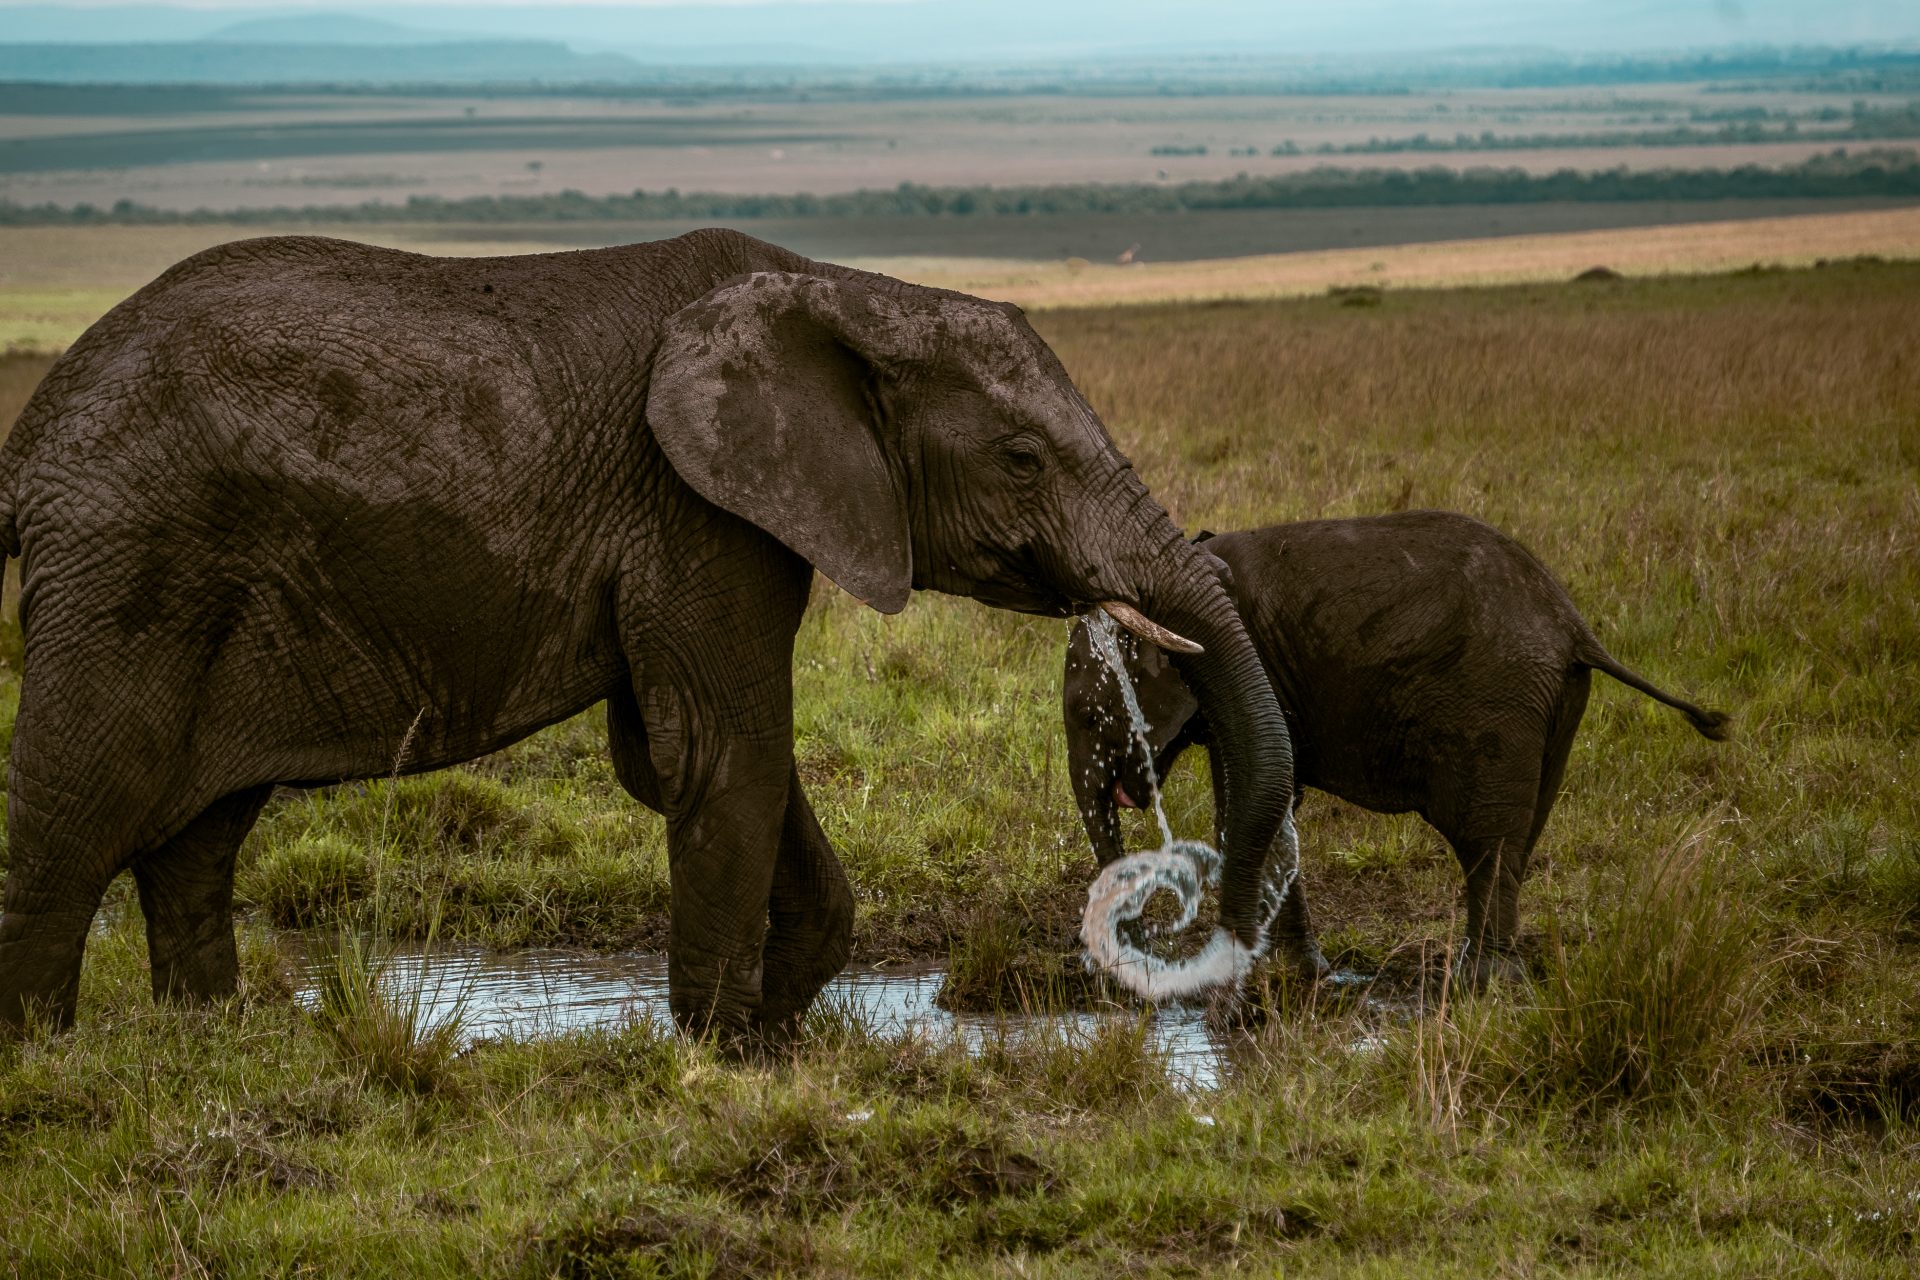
{"x":1121,"y":798}
{"x":1029,"y":598}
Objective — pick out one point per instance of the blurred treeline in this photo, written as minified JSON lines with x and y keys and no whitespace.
{"x":1877,"y":172}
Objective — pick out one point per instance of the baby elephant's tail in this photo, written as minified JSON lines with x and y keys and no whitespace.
{"x":1712,"y":724}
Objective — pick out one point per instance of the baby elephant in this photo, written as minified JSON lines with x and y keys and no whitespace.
{"x":1425,"y":662}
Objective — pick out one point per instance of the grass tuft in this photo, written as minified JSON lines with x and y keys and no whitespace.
{"x":1663,"y":998}
{"x":657,"y":1241}
{"x":388,"y":1034}
{"x":311,"y":879}
{"x":225,"y":1150}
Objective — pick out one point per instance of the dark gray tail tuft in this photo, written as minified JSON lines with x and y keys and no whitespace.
{"x":1717,"y":725}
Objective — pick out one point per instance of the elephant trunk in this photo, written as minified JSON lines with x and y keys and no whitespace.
{"x":1093,"y":784}
{"x":1250,"y":739}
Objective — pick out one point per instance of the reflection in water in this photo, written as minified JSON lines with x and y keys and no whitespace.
{"x":550,"y":992}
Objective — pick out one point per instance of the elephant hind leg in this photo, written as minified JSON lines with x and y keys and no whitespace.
{"x":1560,"y":731}
{"x":75,"y":817}
{"x":810,"y":915}
{"x":186,"y":894}
{"x":1496,"y":866}
{"x":1492,"y":839}
{"x":43,"y":934}
{"x":103,"y":778}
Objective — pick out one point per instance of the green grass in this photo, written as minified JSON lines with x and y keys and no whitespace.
{"x":236,"y":1142}
{"x":1716,"y":1073}
{"x":1663,"y":998}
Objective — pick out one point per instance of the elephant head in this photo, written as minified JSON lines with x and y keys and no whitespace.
{"x":899,"y":437}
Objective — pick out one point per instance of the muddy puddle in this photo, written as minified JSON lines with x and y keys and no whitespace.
{"x":548,"y":992}
{"x":551,"y":992}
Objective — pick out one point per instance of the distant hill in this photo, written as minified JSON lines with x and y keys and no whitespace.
{"x":211,"y":62}
{"x":333,"y":28}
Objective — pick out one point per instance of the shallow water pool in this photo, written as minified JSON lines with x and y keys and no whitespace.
{"x":542,"y":992}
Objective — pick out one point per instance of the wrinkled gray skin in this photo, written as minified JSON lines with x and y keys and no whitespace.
{"x":1425,"y":662}
{"x":299,"y":495}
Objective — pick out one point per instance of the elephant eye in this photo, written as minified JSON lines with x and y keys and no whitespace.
{"x":1021,"y":455}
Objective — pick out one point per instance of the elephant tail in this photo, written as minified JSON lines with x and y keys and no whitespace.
{"x":1716,"y":725}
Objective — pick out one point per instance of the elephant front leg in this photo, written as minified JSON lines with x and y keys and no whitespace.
{"x":807,"y":912}
{"x":711,"y":648}
{"x":723,"y":840}
{"x":1292,"y":927}
{"x":810,"y":916}
{"x":1293,"y":939}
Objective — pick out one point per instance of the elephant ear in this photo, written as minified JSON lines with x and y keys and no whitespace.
{"x":765,"y":398}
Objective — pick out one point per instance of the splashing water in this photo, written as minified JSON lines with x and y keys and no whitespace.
{"x":1103,"y":633}
{"x":1183,"y":868}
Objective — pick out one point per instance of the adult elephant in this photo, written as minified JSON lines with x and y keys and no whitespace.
{"x":300,"y":502}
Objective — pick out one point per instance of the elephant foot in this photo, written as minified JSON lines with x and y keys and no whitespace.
{"x":39,"y":973}
{"x":1231,"y":1011}
{"x":732,"y":1044}
{"x":730,"y":1032}
{"x":1291,"y":983}
{"x":27,"y":1017}
{"x":775,"y":1034}
{"x":1477,"y":967}
{"x":201,"y":975}
{"x":1302,"y":956}
{"x":716,"y":999}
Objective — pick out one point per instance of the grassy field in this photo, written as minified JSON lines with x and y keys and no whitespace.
{"x":1715,"y":1074}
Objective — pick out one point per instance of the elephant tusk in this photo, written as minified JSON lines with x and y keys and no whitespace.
{"x":1147,"y":629}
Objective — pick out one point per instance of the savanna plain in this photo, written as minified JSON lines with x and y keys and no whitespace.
{"x":186,"y":147}
{"x":1715,"y":1069}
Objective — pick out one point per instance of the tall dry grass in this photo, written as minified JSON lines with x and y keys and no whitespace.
{"x":1665,"y":996}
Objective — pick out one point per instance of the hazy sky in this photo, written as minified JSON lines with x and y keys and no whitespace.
{"x":923,"y":28}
